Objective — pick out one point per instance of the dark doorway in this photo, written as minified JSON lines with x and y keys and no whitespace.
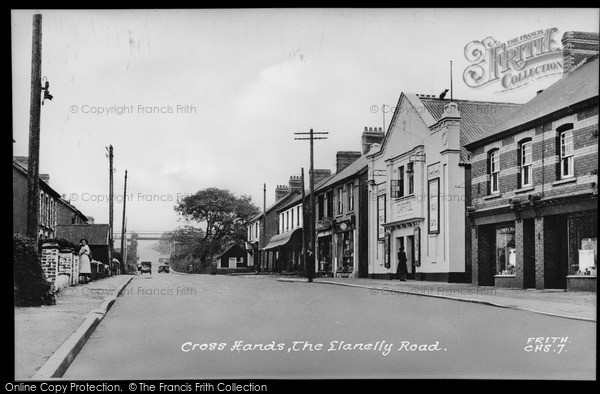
{"x":555,"y":252}
{"x":528,"y":253}
{"x":486,"y":258}
{"x":410,"y":252}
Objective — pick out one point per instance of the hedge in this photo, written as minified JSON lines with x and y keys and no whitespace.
{"x":30,"y":286}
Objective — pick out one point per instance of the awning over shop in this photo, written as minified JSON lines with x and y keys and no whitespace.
{"x":281,"y":239}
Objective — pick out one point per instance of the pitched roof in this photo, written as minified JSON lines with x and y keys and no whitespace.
{"x":276,"y":204}
{"x":96,"y":234}
{"x":72,"y":207}
{"x":580,"y":85}
{"x":355,"y":167}
{"x":298,"y":198}
{"x":475,"y":117}
{"x":21,"y":166}
{"x":227,"y":249}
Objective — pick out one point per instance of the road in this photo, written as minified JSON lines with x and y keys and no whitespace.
{"x":151,"y":330}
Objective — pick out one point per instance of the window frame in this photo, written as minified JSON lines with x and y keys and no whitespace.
{"x":566,"y":158}
{"x":526,"y":166}
{"x":494,"y":169}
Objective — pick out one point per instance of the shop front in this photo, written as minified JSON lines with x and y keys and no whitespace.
{"x":344,"y":240}
{"x":545,"y":244}
{"x":284,"y":252}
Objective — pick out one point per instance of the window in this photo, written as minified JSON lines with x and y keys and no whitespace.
{"x":329,"y":208}
{"x":525,"y":162}
{"x":321,"y":206}
{"x":340,"y":200}
{"x":281,"y":224}
{"x":506,"y":253}
{"x":292,"y":220}
{"x":494,"y":171}
{"x":410,"y":173}
{"x":381,"y":216}
{"x":287,"y":220}
{"x":401,"y":181}
{"x":350,"y":197}
{"x":566,"y":154}
{"x":299,"y":215}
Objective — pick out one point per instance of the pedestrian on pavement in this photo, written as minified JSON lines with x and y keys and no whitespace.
{"x":401,"y":271}
{"x":85,"y":266}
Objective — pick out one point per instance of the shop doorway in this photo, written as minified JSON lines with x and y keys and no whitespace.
{"x":410,"y":256}
{"x":529,"y":253}
{"x":486,"y":256}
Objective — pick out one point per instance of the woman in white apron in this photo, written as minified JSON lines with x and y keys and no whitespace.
{"x":85,"y":266}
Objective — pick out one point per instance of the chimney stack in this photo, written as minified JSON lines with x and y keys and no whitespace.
{"x":295,"y":183}
{"x":320,"y":174}
{"x":578,"y":46}
{"x":371,"y":135}
{"x":281,"y":191}
{"x":344,"y":158}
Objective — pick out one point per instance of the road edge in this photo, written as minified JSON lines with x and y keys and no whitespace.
{"x":62,"y":358}
{"x":489,"y":303}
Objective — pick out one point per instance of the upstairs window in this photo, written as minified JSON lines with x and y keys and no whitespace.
{"x":340,"y":200}
{"x":525,"y":161}
{"x":350,"y":197}
{"x":494,"y":171}
{"x":566,"y":154}
{"x":410,"y":174}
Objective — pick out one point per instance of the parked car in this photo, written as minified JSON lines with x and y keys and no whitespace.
{"x":146,"y":267}
{"x":163,"y":268}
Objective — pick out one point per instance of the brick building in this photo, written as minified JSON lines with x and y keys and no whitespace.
{"x":49,"y":201}
{"x":264,"y":226}
{"x":534,"y":185}
{"x":342,"y":218}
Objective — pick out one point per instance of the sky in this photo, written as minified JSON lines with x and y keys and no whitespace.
{"x":191,"y":99}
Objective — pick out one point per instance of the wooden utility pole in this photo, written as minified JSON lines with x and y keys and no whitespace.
{"x":304,"y":235}
{"x":33,"y":162}
{"x":263,"y":233}
{"x":123,"y":240}
{"x":110,"y":203}
{"x":312,"y":226}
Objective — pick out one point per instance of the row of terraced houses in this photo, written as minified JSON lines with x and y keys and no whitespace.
{"x":496,"y":194}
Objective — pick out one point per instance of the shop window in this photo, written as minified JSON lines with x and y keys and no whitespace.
{"x":506,"y":253}
{"x":582,"y":245}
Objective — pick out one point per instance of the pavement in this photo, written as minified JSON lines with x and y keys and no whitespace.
{"x":47,"y":338}
{"x":560,"y":303}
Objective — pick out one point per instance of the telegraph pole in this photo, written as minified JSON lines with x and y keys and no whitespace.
{"x":110,"y":202}
{"x":312,"y":227}
{"x":263,"y":233}
{"x":304,"y":237}
{"x":33,"y":186}
{"x":123,"y":241}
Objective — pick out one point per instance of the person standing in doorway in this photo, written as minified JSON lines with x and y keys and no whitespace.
{"x":401,"y":271}
{"x":85,"y":265}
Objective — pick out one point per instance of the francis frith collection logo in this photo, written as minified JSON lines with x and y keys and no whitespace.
{"x":514,"y":63}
